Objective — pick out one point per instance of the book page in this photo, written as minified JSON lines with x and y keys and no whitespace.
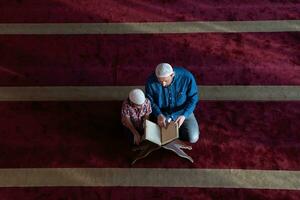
{"x":170,"y":133}
{"x":152,"y":132}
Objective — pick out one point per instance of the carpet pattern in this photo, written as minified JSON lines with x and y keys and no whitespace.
{"x":234,"y":134}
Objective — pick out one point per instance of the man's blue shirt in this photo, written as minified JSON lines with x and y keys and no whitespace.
{"x":179,"y":98}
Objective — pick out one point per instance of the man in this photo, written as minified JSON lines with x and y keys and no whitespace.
{"x":174,"y":94}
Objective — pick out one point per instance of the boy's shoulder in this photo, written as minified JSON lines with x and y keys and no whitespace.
{"x":147,"y":101}
{"x":125,"y":103}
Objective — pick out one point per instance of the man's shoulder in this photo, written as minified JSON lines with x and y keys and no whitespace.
{"x":179,"y":69}
{"x":183,"y":72}
{"x":152,"y":78}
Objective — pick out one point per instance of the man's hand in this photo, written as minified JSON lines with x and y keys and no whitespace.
{"x":161,"y":120}
{"x":137,"y":138}
{"x":180,"y":120}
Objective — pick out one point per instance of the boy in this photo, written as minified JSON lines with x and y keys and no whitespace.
{"x":135,"y":110}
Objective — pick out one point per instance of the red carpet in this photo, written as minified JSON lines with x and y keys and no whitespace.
{"x":245,"y":135}
{"x":214,"y":58}
{"x":234,"y":135}
{"x":145,"y":10}
{"x":95,"y":193}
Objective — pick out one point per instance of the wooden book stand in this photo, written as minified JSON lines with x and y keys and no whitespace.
{"x":147,"y":147}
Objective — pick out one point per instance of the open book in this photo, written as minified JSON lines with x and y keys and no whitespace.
{"x":159,"y":135}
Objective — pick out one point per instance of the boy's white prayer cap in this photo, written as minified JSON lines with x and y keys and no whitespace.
{"x":163,"y":70}
{"x":137,"y":96}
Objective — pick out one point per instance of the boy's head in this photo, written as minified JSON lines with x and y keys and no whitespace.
{"x":137,"y":96}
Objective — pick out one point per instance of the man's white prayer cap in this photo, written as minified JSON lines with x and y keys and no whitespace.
{"x":163,"y":70}
{"x":137,"y":96}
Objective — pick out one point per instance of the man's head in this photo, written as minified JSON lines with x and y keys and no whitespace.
{"x":164,"y":73}
{"x":137,"y":96}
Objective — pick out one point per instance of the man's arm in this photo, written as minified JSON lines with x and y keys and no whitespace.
{"x":161,"y":119}
{"x":192,"y":98}
{"x":189,"y":108}
{"x":191,"y":101}
{"x":150,"y":94}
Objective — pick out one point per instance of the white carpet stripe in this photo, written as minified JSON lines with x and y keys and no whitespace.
{"x":151,"y":27}
{"x":111,"y":93}
{"x":151,"y":177}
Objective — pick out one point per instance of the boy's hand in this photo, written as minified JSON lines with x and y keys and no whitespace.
{"x":137,"y":138}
